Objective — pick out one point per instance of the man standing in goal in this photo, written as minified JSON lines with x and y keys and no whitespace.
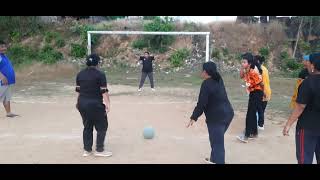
{"x":147,"y":70}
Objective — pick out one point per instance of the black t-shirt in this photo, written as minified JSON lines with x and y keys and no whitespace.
{"x":90,"y":81}
{"x":309,"y":94}
{"x":147,"y":63}
{"x":213,"y":101}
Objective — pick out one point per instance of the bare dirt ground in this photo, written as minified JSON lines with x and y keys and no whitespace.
{"x":50,"y":129}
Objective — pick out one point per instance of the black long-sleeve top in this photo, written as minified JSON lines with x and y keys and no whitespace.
{"x":213,"y":101}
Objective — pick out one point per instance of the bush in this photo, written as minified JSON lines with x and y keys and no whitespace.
{"x":158,"y":42}
{"x":309,"y":48}
{"x":54,"y":36}
{"x":60,"y":43}
{"x":94,"y":39}
{"x":162,"y":49}
{"x":190,"y":26}
{"x":48,"y":55}
{"x":284,"y":55}
{"x":49,"y":36}
{"x":288,"y":63}
{"x":265,"y":52}
{"x":238,"y":56}
{"x":23,"y":55}
{"x":19,"y":54}
{"x":139,"y":44}
{"x":15,"y":36}
{"x":178,"y":57}
{"x":112,"y":52}
{"x":114,"y":17}
{"x":149,"y":17}
{"x":78,"y":50}
{"x":19,"y":26}
{"x":305,"y":47}
{"x":82,"y":30}
{"x":295,"y":73}
{"x":215,"y":53}
{"x":225,"y":51}
{"x":292,"y":64}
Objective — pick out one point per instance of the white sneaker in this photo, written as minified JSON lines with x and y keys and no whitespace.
{"x":139,"y":90}
{"x":243,"y":138}
{"x":86,"y":153}
{"x":261,"y":128}
{"x":103,"y":154}
{"x":207,"y":160}
{"x":153,"y":89}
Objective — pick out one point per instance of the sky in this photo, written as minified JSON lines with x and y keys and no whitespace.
{"x":206,"y":19}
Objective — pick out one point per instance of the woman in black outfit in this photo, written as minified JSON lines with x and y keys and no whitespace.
{"x":93,"y":105}
{"x":214,"y":102}
{"x":307,"y":113}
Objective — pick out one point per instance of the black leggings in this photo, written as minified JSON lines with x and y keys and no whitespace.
{"x":255,"y":103}
{"x":261,"y":111}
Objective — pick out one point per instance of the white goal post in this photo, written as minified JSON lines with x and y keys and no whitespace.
{"x":207,"y":34}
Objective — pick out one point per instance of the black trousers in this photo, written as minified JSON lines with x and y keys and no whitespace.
{"x":216,"y":131}
{"x":307,"y":144}
{"x":255,"y":103}
{"x":261,"y":111}
{"x":93,"y":114}
{"x":143,"y":78}
{"x":318,"y":153}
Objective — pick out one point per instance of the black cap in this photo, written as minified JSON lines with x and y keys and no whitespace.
{"x":93,"y":60}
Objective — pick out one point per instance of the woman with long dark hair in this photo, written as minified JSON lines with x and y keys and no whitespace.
{"x":266,"y":90}
{"x":214,"y":102}
{"x":251,"y":74}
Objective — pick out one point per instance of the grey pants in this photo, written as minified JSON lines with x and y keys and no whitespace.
{"x":143,"y":78}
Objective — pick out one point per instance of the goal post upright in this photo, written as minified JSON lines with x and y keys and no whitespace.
{"x":89,"y":43}
{"x":207,"y":47}
{"x":207,"y":34}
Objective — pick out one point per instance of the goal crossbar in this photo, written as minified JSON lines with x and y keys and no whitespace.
{"x":207,"y":34}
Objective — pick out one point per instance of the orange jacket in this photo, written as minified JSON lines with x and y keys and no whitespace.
{"x":253,"y":80}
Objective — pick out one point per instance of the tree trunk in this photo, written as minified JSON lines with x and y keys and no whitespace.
{"x":310,"y":28}
{"x":298,"y":35}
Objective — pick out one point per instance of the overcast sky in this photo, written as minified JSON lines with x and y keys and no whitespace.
{"x":206,"y":19}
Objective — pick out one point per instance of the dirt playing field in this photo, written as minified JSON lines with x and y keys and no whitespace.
{"x":50,"y":129}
